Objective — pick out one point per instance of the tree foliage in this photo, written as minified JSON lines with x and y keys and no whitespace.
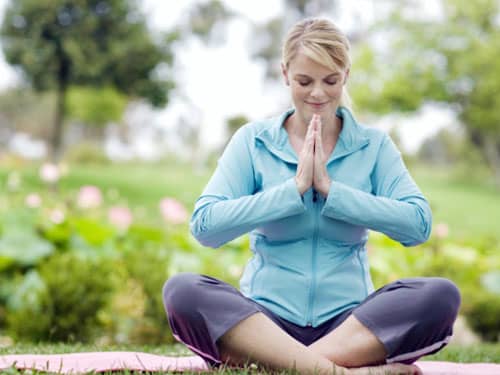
{"x":207,"y":20}
{"x":453,"y":59}
{"x":96,"y":106}
{"x":268,"y":37}
{"x":60,"y":43}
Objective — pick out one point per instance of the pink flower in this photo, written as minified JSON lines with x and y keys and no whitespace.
{"x":33,"y":200}
{"x":120,"y":216}
{"x":13,"y":181}
{"x":173,"y":211}
{"x":441,"y":230}
{"x":49,"y":173}
{"x":57,"y":216}
{"x":89,"y":197}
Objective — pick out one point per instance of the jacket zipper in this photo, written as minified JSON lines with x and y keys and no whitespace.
{"x":312,"y":289}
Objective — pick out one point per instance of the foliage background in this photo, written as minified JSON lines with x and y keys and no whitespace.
{"x":87,"y":243}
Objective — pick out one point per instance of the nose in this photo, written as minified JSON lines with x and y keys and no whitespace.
{"x":317,"y":91}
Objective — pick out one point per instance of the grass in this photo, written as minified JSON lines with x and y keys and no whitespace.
{"x":469,"y":206}
{"x":489,"y":353}
{"x":140,"y":186}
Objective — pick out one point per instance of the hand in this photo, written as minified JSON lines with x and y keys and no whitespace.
{"x":305,"y":168}
{"x":321,"y":180}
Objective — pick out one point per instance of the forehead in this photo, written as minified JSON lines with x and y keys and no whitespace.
{"x":302,"y":64}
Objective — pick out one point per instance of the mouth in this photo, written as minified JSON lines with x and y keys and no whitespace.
{"x":317,"y":105}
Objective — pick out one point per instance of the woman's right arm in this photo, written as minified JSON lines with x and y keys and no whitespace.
{"x":229,"y":206}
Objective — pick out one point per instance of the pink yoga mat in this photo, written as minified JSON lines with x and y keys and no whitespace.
{"x":113,"y":361}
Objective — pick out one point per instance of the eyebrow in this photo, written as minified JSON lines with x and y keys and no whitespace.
{"x":306,"y":76}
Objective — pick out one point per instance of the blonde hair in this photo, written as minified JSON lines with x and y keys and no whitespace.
{"x":323,"y":42}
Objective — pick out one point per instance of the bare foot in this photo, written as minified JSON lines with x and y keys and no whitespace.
{"x":390,"y":369}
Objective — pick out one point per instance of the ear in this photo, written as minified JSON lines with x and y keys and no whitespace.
{"x":284,"y":72}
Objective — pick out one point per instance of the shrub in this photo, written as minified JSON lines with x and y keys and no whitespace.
{"x":147,"y":268}
{"x":62,"y":301}
{"x":86,"y":153}
{"x":483,"y":316}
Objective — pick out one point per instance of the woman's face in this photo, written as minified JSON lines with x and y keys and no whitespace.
{"x":314,"y":88}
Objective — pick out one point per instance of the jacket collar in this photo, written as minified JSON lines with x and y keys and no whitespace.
{"x":275,"y":138}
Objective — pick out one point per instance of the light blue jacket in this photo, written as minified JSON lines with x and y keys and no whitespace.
{"x":310,"y":260}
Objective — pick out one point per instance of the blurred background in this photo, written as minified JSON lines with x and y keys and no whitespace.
{"x":113,"y":114}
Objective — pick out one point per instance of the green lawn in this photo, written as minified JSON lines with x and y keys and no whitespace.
{"x":470,"y":208}
{"x":454,"y":353}
{"x":140,"y":186}
{"x":478,"y":353}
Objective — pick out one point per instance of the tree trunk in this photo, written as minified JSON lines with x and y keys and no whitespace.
{"x":492,"y":153}
{"x":62,"y":79}
{"x":57,"y":134}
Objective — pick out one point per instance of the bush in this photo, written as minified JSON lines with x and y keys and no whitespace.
{"x":147,"y":270}
{"x":472,"y":267}
{"x":61,"y":301}
{"x":86,"y":153}
{"x":483,"y":316}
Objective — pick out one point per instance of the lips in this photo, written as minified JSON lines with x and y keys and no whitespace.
{"x":316,"y":105}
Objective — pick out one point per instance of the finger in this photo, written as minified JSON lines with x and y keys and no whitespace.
{"x":317,"y":120}
{"x":320,"y":126}
{"x":310,"y":126}
{"x":311,"y":135}
{"x":318,"y":142}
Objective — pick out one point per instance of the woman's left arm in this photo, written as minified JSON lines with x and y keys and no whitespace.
{"x":396,"y":207}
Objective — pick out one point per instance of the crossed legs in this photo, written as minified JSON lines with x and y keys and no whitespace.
{"x":258,"y":339}
{"x":413,"y":317}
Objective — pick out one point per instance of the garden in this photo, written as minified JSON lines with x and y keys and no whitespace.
{"x":104,"y":149}
{"x":85,"y":250}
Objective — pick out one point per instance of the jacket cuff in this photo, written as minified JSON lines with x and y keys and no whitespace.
{"x":333,"y":203}
{"x":292,"y":194}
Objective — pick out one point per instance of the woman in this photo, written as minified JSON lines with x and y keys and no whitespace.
{"x":308,"y":185}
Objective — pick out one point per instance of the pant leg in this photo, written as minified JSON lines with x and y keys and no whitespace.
{"x":411,"y":317}
{"x":200,"y":309}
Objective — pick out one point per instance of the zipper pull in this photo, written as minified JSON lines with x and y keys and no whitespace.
{"x":315,"y":196}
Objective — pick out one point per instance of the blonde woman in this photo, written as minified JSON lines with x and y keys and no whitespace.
{"x":308,"y":185}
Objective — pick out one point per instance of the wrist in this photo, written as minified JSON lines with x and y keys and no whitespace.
{"x":300,"y":187}
{"x":324,"y":187}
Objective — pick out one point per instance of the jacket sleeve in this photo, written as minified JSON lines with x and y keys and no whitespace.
{"x":396,"y":207}
{"x":229,"y":205}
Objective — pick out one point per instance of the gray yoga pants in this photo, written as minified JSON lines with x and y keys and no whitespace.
{"x":411,"y":317}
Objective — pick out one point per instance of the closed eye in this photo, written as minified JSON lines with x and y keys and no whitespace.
{"x":306,"y":83}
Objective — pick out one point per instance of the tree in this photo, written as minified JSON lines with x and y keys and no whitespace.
{"x":207,"y":21}
{"x":60,"y":43}
{"x":268,"y":37}
{"x":95,"y":107}
{"x":234,"y":123}
{"x":454,"y":59}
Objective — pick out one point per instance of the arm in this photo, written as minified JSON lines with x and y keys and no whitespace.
{"x":229,"y":206}
{"x":396,"y":208}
